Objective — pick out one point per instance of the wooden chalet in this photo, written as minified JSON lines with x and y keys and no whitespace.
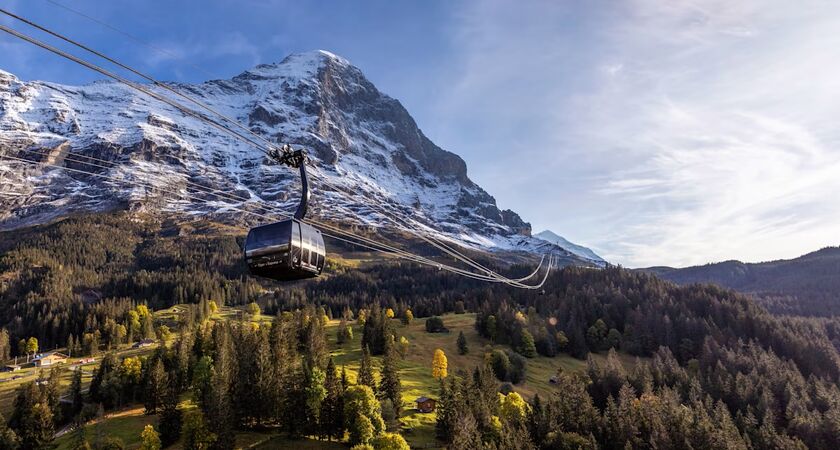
{"x":425,"y":404}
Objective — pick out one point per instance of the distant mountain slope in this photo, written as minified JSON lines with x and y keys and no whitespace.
{"x":808,"y":285}
{"x":579,"y":250}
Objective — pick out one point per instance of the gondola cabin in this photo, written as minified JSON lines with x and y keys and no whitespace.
{"x":284,"y":251}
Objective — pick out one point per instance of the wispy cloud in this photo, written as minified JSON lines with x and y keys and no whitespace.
{"x":699,"y":130}
{"x":234,"y":44}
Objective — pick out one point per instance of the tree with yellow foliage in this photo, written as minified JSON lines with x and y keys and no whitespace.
{"x":439,"y":365}
{"x":513,"y":408}
{"x":407,"y":317}
{"x":389,"y":313}
{"x":131,"y":369}
{"x":149,"y":438}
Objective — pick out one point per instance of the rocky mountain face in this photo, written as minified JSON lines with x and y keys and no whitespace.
{"x":369,"y":155}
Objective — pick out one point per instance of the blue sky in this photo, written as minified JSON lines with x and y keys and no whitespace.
{"x":656,"y":132}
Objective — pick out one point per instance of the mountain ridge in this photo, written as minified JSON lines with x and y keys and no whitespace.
{"x":806,"y":285}
{"x":359,"y":139}
{"x":579,"y":250}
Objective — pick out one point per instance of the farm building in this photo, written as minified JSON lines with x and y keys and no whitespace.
{"x":11,"y":368}
{"x":425,"y":404}
{"x":143,"y":343}
{"x":49,"y":359}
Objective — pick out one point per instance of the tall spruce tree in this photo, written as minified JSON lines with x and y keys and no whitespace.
{"x":463,"y":349}
{"x":155,"y":386}
{"x":76,"y":396}
{"x":32,"y":418}
{"x":170,"y":416}
{"x":446,"y":410}
{"x":332,"y":408}
{"x":389,"y":385}
{"x":219,"y":410}
{"x":366,"y":370}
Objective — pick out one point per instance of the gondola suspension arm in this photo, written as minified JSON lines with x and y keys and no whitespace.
{"x":295,"y":159}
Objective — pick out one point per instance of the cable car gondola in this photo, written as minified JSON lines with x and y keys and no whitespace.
{"x":289,"y":249}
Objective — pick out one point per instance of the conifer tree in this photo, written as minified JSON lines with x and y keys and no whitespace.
{"x":170,"y":416}
{"x":366,"y":370}
{"x":219,"y":408}
{"x":316,"y":344}
{"x":32,"y":418}
{"x":446,"y":410}
{"x":76,"y":397}
{"x":197,"y":435}
{"x":5,"y":345}
{"x":155,"y":386}
{"x":389,"y":386}
{"x":341,"y":334}
{"x":463,"y":349}
{"x":265,"y":383}
{"x":332,"y":408}
{"x":527,"y":348}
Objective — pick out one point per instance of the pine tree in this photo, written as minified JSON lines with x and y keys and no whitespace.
{"x":527,"y":347}
{"x":466,"y":435}
{"x":8,"y":438}
{"x":170,"y":416}
{"x":315,"y":395}
{"x":316,"y":344}
{"x":5,"y":345}
{"x":462,"y":344}
{"x":446,"y":410}
{"x":155,"y":386}
{"x":365,"y":370}
{"x":32,"y":418}
{"x":197,"y":436}
{"x":219,"y":409}
{"x":341,"y":335}
{"x":389,"y":386}
{"x":265,"y":383}
{"x":332,"y":408}
{"x":76,"y":397}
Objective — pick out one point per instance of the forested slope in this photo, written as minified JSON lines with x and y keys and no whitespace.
{"x":723,"y":370}
{"x":808,"y":285}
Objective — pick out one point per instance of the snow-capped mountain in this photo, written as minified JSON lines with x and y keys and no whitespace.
{"x":573,"y":248}
{"x":360,"y":140}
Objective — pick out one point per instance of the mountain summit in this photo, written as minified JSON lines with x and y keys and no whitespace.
{"x":578,"y":250}
{"x":362,"y":142}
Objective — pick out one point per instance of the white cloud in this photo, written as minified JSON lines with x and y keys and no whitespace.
{"x":691,"y":131}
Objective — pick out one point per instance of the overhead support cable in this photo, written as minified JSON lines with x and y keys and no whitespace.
{"x":492,"y":276}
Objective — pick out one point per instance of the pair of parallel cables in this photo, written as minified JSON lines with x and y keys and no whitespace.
{"x":239,"y":131}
